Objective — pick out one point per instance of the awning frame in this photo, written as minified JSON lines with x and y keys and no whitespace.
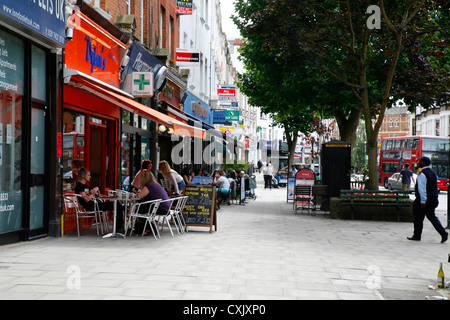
{"x":125,"y":101}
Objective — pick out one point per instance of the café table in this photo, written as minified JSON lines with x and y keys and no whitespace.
{"x":124,"y":197}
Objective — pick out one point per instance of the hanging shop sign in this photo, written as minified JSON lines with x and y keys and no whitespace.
{"x":184,"y":6}
{"x":195,"y":107}
{"x":46,"y":18}
{"x":142,"y":61}
{"x":222,"y":116}
{"x":142,"y":84}
{"x":225,"y":92}
{"x":187,"y":58}
{"x":93,"y":50}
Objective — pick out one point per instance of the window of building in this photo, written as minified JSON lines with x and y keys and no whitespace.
{"x":11,"y":100}
{"x":73,"y":147}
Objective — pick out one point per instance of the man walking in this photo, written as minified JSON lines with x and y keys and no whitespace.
{"x":406,"y":175}
{"x":426,"y":201}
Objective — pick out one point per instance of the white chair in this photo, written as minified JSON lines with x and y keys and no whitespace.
{"x":169,"y":215}
{"x":178,"y":213}
{"x":148,"y":214}
{"x":71,"y":203}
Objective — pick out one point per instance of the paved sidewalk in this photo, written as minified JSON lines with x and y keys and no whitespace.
{"x":261,"y":251}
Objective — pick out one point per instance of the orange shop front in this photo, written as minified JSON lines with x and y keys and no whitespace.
{"x":91,"y":118}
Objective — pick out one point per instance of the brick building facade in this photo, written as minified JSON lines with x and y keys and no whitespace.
{"x":156,"y":24}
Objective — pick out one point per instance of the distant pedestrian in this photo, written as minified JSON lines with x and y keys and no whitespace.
{"x":259,"y":166}
{"x":293,"y":171}
{"x":268,"y":174}
{"x":426,"y":201}
{"x":406,"y":175}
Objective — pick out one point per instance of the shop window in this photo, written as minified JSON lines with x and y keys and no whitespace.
{"x":126,"y":161}
{"x":127,"y":117}
{"x":12,"y":78}
{"x":73,"y":147}
{"x":38,"y":74}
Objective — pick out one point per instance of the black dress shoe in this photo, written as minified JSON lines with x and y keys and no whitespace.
{"x":413,"y":238}
{"x":444,"y":237}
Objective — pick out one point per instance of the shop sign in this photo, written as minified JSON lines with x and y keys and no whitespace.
{"x":45,"y":17}
{"x":142,"y":61}
{"x":195,"y":107}
{"x":199,"y":110}
{"x":184,"y":7}
{"x":185,"y":58}
{"x":225,"y":92}
{"x":222,"y":116}
{"x":142,"y":84}
{"x":93,"y":50}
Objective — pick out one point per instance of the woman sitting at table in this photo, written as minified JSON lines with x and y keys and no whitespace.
{"x":171,"y":178}
{"x":188,"y":175}
{"x":87,"y":201}
{"x":151,"y":190}
{"x":220,"y":177}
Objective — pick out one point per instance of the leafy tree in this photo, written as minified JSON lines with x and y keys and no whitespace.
{"x":406,"y":57}
{"x":291,"y":93}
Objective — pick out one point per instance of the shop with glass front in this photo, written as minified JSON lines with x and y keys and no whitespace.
{"x":28,"y":108}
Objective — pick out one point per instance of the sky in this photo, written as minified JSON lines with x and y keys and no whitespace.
{"x":228,"y":26}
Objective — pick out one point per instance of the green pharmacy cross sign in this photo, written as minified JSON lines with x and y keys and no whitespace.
{"x":142,"y":84}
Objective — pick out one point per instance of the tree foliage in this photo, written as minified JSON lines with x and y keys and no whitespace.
{"x":407,"y":58}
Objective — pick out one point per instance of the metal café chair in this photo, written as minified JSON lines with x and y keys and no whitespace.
{"x":170,"y":215}
{"x":71,"y":203}
{"x":144,"y":210}
{"x":177,"y":213}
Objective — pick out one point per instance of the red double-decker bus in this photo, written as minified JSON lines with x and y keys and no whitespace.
{"x":396,"y":152}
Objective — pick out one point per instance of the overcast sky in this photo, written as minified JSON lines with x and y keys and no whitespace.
{"x":228,"y":26}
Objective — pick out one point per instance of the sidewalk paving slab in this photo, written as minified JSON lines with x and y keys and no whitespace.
{"x":262,"y":250}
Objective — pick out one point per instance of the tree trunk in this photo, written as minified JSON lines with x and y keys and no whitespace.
{"x":348,"y":126}
{"x":291,"y":146}
{"x":372,"y":152}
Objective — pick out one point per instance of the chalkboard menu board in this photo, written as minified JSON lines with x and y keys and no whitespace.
{"x":200,"y":208}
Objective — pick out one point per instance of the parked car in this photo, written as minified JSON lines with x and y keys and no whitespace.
{"x":394,"y":185}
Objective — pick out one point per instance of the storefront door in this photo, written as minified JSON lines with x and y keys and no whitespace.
{"x":37,"y":170}
{"x":98,"y":157}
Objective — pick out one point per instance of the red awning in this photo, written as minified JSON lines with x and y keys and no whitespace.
{"x":123,"y":100}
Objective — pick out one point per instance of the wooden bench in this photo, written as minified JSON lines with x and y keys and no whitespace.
{"x":357,"y":197}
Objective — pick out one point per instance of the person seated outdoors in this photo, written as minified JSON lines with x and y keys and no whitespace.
{"x":219,"y":177}
{"x":188,"y":175}
{"x":87,"y":201}
{"x":150,"y":190}
{"x":232,"y":176}
{"x":204,"y":172}
{"x":171,"y":178}
{"x":136,"y":184}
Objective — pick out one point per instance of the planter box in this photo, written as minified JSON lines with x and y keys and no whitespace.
{"x":375,"y":210}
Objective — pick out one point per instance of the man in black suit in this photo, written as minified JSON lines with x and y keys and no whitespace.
{"x":426,"y":201}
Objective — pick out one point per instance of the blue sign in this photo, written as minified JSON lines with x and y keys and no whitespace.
{"x":45,"y":17}
{"x":219,"y":116}
{"x":142,"y":61}
{"x":197,"y":108}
